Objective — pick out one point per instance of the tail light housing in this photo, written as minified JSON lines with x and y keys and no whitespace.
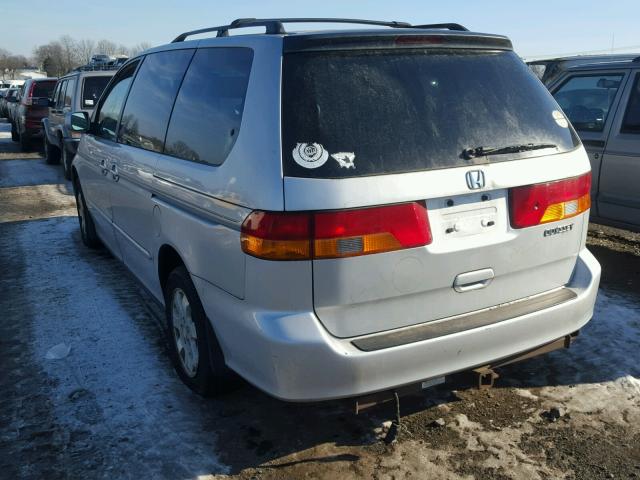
{"x":335,"y":234}
{"x":28,"y":98}
{"x":549,"y":202}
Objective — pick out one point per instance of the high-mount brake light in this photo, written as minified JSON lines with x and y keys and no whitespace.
{"x":335,"y":234}
{"x":549,"y":202}
{"x":419,"y":39}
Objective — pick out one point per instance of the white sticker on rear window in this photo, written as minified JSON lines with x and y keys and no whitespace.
{"x":310,"y":155}
{"x":560,"y":119}
{"x":345,"y":159}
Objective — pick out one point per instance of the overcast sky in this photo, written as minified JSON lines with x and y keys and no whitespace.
{"x":537,"y":28}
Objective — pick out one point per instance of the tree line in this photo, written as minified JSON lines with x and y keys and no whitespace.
{"x":66,"y":53}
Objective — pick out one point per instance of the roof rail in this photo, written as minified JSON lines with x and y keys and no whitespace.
{"x":275,"y":26}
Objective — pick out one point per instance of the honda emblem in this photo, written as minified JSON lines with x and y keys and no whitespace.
{"x":475,"y":179}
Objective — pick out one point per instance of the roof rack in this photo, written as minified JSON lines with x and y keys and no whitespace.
{"x":275,"y":26}
{"x":98,"y":67}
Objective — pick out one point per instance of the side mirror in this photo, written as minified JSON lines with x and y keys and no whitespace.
{"x":51,"y":103}
{"x":77,"y":122}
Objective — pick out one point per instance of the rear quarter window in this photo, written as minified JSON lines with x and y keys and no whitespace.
{"x":92,"y":88}
{"x":373,"y":112}
{"x":631,"y":122}
{"x":208,"y":111}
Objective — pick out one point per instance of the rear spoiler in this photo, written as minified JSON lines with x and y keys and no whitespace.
{"x":381,"y":39}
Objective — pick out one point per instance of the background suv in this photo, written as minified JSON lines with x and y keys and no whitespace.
{"x":602,"y":101}
{"x":341,"y":212}
{"x":76,"y":91}
{"x":32,"y":107}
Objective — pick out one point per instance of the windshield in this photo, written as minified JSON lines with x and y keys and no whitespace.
{"x":93,"y":87}
{"x":355,"y":113}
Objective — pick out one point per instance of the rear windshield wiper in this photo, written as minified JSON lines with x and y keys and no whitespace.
{"x":469,"y":153}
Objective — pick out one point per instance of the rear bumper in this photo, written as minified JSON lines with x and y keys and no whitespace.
{"x":291,"y":355}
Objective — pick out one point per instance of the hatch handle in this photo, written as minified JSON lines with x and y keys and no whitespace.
{"x":465,"y":282}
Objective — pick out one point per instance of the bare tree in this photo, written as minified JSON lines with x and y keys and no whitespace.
{"x":106,"y":47}
{"x":140,"y":47}
{"x":10,"y":63}
{"x":85,"y":49}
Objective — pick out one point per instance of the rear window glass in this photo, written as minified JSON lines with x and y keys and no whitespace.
{"x":586,"y":100}
{"x":375,"y":112}
{"x":92,"y":89}
{"x":43,"y":89}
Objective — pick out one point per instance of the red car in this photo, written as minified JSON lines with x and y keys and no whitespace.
{"x":32,"y":108}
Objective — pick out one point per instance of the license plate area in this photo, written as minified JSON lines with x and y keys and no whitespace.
{"x":482,"y":214}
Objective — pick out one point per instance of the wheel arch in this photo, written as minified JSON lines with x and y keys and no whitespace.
{"x":168,"y":260}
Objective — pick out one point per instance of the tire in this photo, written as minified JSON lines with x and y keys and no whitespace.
{"x":25,"y":142}
{"x":198,"y":361}
{"x":14,"y":133}
{"x":51,"y":152}
{"x":87,"y":227}
{"x":67,"y":158}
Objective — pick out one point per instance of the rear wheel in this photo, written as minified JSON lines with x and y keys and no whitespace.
{"x":52,"y":154}
{"x":195,"y":351}
{"x":67,"y":158}
{"x":25,"y":142}
{"x":87,"y":227}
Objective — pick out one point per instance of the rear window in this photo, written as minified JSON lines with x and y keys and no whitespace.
{"x":92,"y":89}
{"x":43,"y":89}
{"x":374,"y":112}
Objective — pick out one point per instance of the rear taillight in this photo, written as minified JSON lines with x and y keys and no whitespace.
{"x":549,"y":202}
{"x":28,"y":98}
{"x":335,"y":234}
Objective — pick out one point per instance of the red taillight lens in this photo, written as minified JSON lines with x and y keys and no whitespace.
{"x":335,"y":234}
{"x":549,"y":202}
{"x":277,"y":236}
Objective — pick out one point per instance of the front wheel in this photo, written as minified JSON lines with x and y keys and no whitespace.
{"x":195,"y":351}
{"x":14,"y":133}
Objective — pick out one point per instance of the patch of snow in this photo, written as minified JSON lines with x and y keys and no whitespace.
{"x":58,"y":352}
{"x":144,"y":420}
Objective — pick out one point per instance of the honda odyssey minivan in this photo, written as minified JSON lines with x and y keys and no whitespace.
{"x":340,"y":212}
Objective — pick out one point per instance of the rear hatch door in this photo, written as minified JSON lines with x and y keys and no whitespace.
{"x":382,"y":126}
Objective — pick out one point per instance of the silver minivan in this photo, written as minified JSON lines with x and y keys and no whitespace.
{"x":341,"y":212}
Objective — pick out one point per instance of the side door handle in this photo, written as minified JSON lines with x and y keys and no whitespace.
{"x":114,"y":172}
{"x":103,"y":167}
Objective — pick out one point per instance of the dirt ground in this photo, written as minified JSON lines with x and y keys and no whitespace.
{"x":109,"y":404}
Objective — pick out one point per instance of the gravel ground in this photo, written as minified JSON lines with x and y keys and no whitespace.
{"x":113,"y":407}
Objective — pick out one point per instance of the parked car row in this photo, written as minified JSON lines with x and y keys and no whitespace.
{"x":338,"y":213}
{"x":25,"y":108}
{"x":79,"y":90}
{"x":37,"y":109}
{"x":601,"y":97}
